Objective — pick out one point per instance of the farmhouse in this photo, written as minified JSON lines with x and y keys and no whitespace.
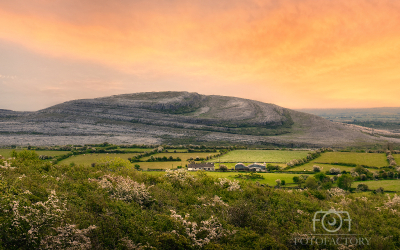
{"x":201,"y":166}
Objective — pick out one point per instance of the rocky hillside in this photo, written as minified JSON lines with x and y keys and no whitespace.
{"x":174,"y":117}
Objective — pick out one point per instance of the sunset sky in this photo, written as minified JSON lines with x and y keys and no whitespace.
{"x":294,"y":53}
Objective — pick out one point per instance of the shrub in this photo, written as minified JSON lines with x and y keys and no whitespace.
{"x":362,"y":187}
{"x":125,"y":189}
{"x":334,"y":171}
{"x":379,"y":190}
{"x":228,"y":184}
{"x":316,"y":168}
{"x":345,"y":181}
{"x":311,"y":183}
{"x":223,"y":168}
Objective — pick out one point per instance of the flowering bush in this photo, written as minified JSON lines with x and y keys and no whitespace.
{"x":316,"y":168}
{"x":125,"y":189}
{"x":228,"y":184}
{"x":33,"y":225}
{"x":68,"y":237}
{"x":181,"y":175}
{"x":336,"y":192}
{"x":200,"y":236}
{"x":216,"y":201}
{"x":334,"y":171}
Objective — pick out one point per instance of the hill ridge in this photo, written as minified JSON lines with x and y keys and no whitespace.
{"x":175,"y":117}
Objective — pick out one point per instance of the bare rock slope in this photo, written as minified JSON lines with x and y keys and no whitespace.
{"x":174,"y":117}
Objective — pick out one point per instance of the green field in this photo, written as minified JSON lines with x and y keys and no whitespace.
{"x":183,"y":156}
{"x":177,"y":150}
{"x":7,"y":152}
{"x":397,"y":158}
{"x":367,"y":159}
{"x":261,"y":156}
{"x":88,"y":159}
{"x":135,"y":150}
{"x":388,"y":185}
{"x":324,"y":167}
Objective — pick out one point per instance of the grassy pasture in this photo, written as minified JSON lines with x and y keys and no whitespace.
{"x":183,"y":156}
{"x":177,"y":150}
{"x":261,"y":156}
{"x":88,"y":159}
{"x":397,"y":158}
{"x":388,"y":185}
{"x":367,"y":159}
{"x":7,"y":152}
{"x":309,"y":167}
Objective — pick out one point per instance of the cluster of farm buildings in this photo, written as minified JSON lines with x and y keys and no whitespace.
{"x":208,"y":166}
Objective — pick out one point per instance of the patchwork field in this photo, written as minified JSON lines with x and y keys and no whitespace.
{"x":282,"y":156}
{"x":7,"y":152}
{"x":387,"y":185}
{"x":367,"y":159}
{"x":88,"y":159}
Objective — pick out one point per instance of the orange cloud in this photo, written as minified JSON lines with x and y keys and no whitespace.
{"x":333,"y":53}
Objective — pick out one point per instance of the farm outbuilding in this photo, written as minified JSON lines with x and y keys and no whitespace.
{"x":257,"y":166}
{"x":241,"y":166}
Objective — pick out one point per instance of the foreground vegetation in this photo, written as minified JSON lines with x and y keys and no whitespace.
{"x":113,"y":206}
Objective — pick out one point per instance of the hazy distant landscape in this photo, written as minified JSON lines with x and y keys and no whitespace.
{"x":378,"y":118}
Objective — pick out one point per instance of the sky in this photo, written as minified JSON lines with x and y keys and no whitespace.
{"x":293,"y":53}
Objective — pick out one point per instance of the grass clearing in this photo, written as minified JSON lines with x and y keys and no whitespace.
{"x":87,"y":159}
{"x":367,"y":159}
{"x":281,"y":156}
{"x":7,"y":152}
{"x":387,"y":185}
